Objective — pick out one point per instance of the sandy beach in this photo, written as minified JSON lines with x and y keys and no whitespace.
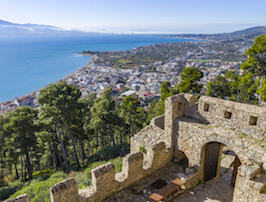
{"x":89,"y":64}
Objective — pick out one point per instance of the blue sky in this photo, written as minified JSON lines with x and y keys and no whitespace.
{"x":138,"y":16}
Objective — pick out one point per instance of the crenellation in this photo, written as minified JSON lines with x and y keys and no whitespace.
{"x":248,"y":172}
{"x":132,"y":167}
{"x":103,"y":180}
{"x":21,"y":198}
{"x":190,"y":101}
{"x":248,"y":189}
{"x":160,"y":155}
{"x":235,"y":115}
{"x":147,"y":137}
{"x":185,"y":131}
{"x":65,"y":190}
{"x":158,"y":121}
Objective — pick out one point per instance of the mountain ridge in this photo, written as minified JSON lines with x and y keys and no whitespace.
{"x":28,"y":29}
{"x":247,"y":34}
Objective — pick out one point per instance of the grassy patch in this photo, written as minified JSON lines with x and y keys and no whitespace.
{"x":109,"y":153}
{"x":122,"y":61}
{"x":40,"y":191}
{"x":142,"y":149}
{"x":201,"y":60}
{"x":6,"y":191}
{"x":242,"y":135}
{"x":83,"y":179}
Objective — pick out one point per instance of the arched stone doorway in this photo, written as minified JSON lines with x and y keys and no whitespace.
{"x":212,"y":162}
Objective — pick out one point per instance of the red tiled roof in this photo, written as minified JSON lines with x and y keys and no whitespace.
{"x":147,"y":94}
{"x":120,"y":90}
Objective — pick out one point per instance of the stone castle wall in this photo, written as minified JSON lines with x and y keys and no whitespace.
{"x":246,"y":188}
{"x":21,"y":198}
{"x":104,"y":180}
{"x":249,"y":119}
{"x":148,"y":136}
{"x":158,"y":121}
{"x":184,"y":131}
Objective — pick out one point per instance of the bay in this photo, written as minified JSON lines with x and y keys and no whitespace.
{"x":30,"y":63}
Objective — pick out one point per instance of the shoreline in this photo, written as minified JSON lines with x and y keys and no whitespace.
{"x":89,"y":64}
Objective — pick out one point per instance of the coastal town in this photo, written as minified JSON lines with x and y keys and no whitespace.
{"x":128,"y":77}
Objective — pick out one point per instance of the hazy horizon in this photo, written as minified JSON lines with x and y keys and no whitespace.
{"x":143,"y":17}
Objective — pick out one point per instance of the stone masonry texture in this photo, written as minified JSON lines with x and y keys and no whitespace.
{"x":184,"y":132}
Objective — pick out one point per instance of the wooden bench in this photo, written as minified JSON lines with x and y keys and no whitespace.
{"x":166,"y":190}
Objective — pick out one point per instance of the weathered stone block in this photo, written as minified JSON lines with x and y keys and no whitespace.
{"x":21,"y":198}
{"x":65,"y":190}
{"x":158,"y":121}
{"x":103,"y":179}
{"x":133,"y":167}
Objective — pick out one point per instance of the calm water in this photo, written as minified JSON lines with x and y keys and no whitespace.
{"x":30,"y":63}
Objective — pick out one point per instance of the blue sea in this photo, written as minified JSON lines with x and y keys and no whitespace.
{"x":30,"y":63}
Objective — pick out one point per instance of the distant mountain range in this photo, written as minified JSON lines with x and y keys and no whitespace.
{"x":249,"y":33}
{"x":13,"y":29}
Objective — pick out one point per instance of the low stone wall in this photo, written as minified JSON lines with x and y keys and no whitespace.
{"x":65,"y":190}
{"x":158,"y":121}
{"x":193,"y":136}
{"x":247,"y":189}
{"x":192,"y":140}
{"x":21,"y":198}
{"x":249,"y":119}
{"x":148,"y":136}
{"x":105,"y":182}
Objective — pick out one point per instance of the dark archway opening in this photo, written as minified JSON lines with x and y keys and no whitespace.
{"x":213,"y":156}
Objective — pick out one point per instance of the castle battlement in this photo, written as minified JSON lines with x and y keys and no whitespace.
{"x":190,"y":130}
{"x":249,"y":119}
{"x":104,"y":180}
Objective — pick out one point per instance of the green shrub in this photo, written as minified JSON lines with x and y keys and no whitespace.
{"x":109,"y":153}
{"x":118,"y":162}
{"x":39,"y":191}
{"x":42,"y":175}
{"x":83,"y":179}
{"x":142,"y":149}
{"x":39,"y":188}
{"x":6,"y":191}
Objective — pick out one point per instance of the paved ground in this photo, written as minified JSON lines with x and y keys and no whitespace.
{"x":215,"y":190}
{"x":140,"y":191}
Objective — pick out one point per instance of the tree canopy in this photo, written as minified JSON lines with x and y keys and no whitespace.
{"x":190,"y":78}
{"x":218,"y":88}
{"x":256,"y":63}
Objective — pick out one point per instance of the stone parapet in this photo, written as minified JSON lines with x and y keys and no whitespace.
{"x":247,"y":189}
{"x":21,"y":198}
{"x":185,"y":130}
{"x":135,"y":167}
{"x":249,"y":119}
{"x":158,"y":121}
{"x":65,"y":190}
{"x":148,"y":136}
{"x":193,"y":136}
